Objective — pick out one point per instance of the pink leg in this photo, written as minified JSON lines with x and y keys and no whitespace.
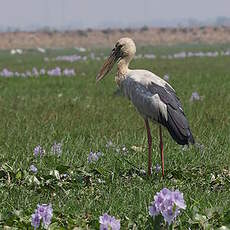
{"x":150,"y":147}
{"x":162,"y":153}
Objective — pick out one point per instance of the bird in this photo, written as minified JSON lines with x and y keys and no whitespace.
{"x":154,"y":98}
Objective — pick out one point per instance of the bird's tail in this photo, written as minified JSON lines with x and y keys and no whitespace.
{"x":178,"y":127}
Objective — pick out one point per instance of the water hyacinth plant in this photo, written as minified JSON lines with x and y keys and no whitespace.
{"x":157,"y":168}
{"x":93,"y":157}
{"x":44,"y":213}
{"x":195,"y":97}
{"x":55,"y":72}
{"x":108,"y":222}
{"x":35,"y":72}
{"x":56,"y":148}
{"x":39,"y":151}
{"x":168,"y":204}
{"x":33,"y":169}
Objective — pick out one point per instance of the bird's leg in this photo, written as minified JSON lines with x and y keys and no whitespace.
{"x":161,"y":149}
{"x":150,"y":147}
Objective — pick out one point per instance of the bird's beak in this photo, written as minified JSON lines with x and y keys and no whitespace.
{"x":109,"y":63}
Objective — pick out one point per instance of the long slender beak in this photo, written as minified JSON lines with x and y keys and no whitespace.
{"x":108,"y":64}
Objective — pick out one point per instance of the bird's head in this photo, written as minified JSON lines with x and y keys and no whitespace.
{"x":124,"y":49}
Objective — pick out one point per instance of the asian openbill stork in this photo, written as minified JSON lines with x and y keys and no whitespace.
{"x":153,"y":97}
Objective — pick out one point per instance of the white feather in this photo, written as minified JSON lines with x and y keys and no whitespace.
{"x":134,"y":86}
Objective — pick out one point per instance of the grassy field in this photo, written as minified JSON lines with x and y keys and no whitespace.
{"x":83,"y":117}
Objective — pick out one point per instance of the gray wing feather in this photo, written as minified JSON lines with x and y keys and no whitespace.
{"x":140,"y":97}
{"x":167,"y":95}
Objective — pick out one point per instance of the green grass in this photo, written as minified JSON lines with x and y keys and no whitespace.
{"x":84,"y":116}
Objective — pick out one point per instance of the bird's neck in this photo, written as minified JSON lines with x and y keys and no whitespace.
{"x":122,"y":69}
{"x":123,"y":65}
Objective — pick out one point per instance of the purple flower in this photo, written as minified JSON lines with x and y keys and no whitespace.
{"x":56,"y":148}
{"x":43,"y":212}
{"x":35,"y":222}
{"x":168,"y":203}
{"x":6,"y":73}
{"x":54,"y":72}
{"x":178,"y":199}
{"x":157,"y":168}
{"x":35,"y":72}
{"x":33,"y":169}
{"x":109,"y":222}
{"x":46,"y":212}
{"x":169,"y":215}
{"x":153,"y":210}
{"x":93,"y":157}
{"x":195,"y":97}
{"x":38,"y":150}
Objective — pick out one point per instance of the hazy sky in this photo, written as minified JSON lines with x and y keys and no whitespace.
{"x":94,"y":13}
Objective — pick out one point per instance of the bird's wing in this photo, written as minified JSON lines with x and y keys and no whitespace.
{"x":166,"y":94}
{"x":176,"y":121}
{"x":156,"y":99}
{"x":156,"y":85}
